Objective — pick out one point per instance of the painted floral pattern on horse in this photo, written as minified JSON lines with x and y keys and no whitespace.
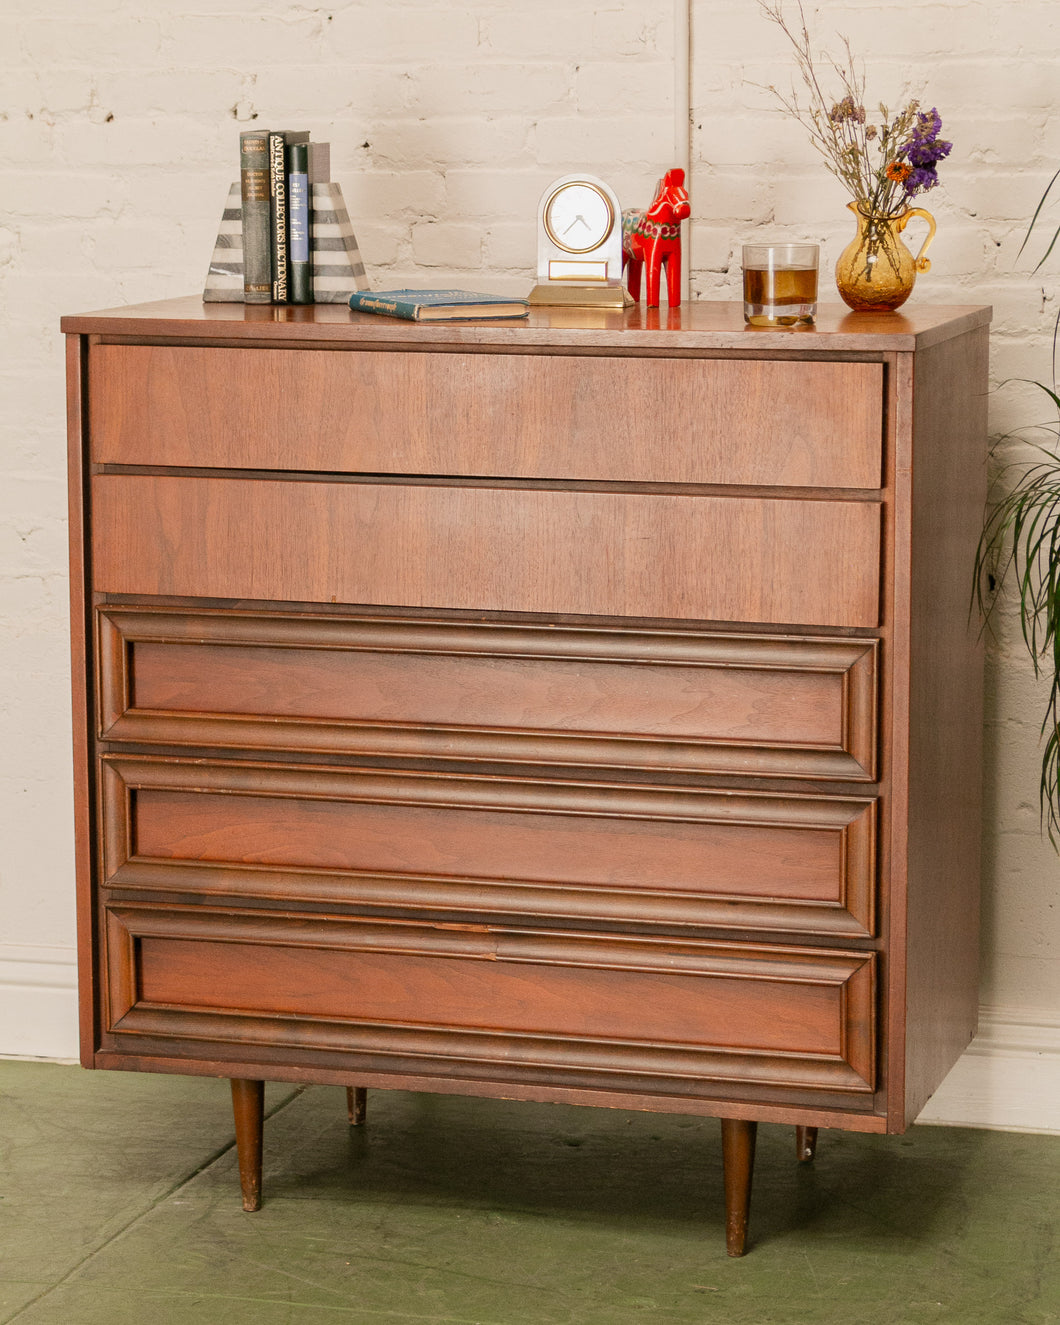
{"x":652,"y":238}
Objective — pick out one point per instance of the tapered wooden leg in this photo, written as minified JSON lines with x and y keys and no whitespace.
{"x":806,"y":1144}
{"x":248,"y":1106}
{"x":356,"y":1105}
{"x":738,"y":1157}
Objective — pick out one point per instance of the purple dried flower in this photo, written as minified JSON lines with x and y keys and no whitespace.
{"x":924,"y":151}
{"x":920,"y":181}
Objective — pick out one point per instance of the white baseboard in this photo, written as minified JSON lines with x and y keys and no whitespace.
{"x":1009,"y":1077}
{"x":38,"y":1002}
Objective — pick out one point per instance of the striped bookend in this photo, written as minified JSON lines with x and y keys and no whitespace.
{"x":224,"y":280}
{"x":337,"y":266}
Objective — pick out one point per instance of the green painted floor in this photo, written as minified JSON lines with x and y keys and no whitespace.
{"x":119,"y":1204}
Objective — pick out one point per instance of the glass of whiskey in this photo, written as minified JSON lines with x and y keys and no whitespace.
{"x":780,"y":284}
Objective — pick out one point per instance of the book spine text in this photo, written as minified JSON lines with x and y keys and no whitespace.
{"x":366,"y":302}
{"x":254,"y":197}
{"x":300,"y":264}
{"x":278,"y":197}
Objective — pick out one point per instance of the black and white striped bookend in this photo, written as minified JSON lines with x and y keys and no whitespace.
{"x":337,"y":266}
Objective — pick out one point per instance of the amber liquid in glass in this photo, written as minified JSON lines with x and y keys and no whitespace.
{"x":779,"y":296}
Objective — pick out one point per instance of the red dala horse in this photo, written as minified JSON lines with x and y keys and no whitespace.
{"x":654,"y":238}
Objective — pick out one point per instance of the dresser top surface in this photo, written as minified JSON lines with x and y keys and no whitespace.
{"x":697,"y":326}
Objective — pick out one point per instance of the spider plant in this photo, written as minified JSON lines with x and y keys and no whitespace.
{"x":1049,"y":248}
{"x":1034,"y":221}
{"x":1020,"y":543}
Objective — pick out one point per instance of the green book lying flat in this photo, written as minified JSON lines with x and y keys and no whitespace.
{"x":437,"y":305}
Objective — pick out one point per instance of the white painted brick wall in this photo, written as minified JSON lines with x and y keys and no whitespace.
{"x":119,"y":126}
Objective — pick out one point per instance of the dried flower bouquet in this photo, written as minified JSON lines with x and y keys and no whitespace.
{"x":882,"y":163}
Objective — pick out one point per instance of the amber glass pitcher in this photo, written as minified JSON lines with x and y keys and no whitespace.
{"x":875,"y":272}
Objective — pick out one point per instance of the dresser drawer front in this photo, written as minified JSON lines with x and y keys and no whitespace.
{"x":508,"y":1003}
{"x":483,"y":548}
{"x":472,"y":845}
{"x":705,"y":703}
{"x":769,"y":422}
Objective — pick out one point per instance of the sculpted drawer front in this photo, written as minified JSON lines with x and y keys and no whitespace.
{"x":490,"y":548}
{"x":472,"y":845}
{"x":759,"y":422}
{"x":512,"y":693}
{"x":678,"y":1016}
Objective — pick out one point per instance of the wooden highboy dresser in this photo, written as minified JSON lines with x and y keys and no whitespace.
{"x":582,"y":709}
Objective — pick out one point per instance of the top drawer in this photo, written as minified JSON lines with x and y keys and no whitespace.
{"x":732,"y":421}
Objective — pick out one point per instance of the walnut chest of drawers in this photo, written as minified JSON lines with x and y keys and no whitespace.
{"x":580,"y":709}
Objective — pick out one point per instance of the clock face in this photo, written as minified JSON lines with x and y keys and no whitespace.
{"x":578,"y":217}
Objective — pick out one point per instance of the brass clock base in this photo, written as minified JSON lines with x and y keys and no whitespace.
{"x":601,"y":294}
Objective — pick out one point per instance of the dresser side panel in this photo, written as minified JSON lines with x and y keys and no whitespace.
{"x":945,"y":712}
{"x":82,"y":690}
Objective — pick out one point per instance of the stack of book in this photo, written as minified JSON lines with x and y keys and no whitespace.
{"x":266,"y":250}
{"x":277,"y":169}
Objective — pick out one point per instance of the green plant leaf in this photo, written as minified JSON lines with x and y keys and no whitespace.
{"x":1034,"y":221}
{"x":1020,"y":543}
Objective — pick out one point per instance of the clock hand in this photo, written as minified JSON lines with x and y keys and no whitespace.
{"x":573,"y":223}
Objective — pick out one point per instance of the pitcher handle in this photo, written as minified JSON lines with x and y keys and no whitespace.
{"x":921,"y":263}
